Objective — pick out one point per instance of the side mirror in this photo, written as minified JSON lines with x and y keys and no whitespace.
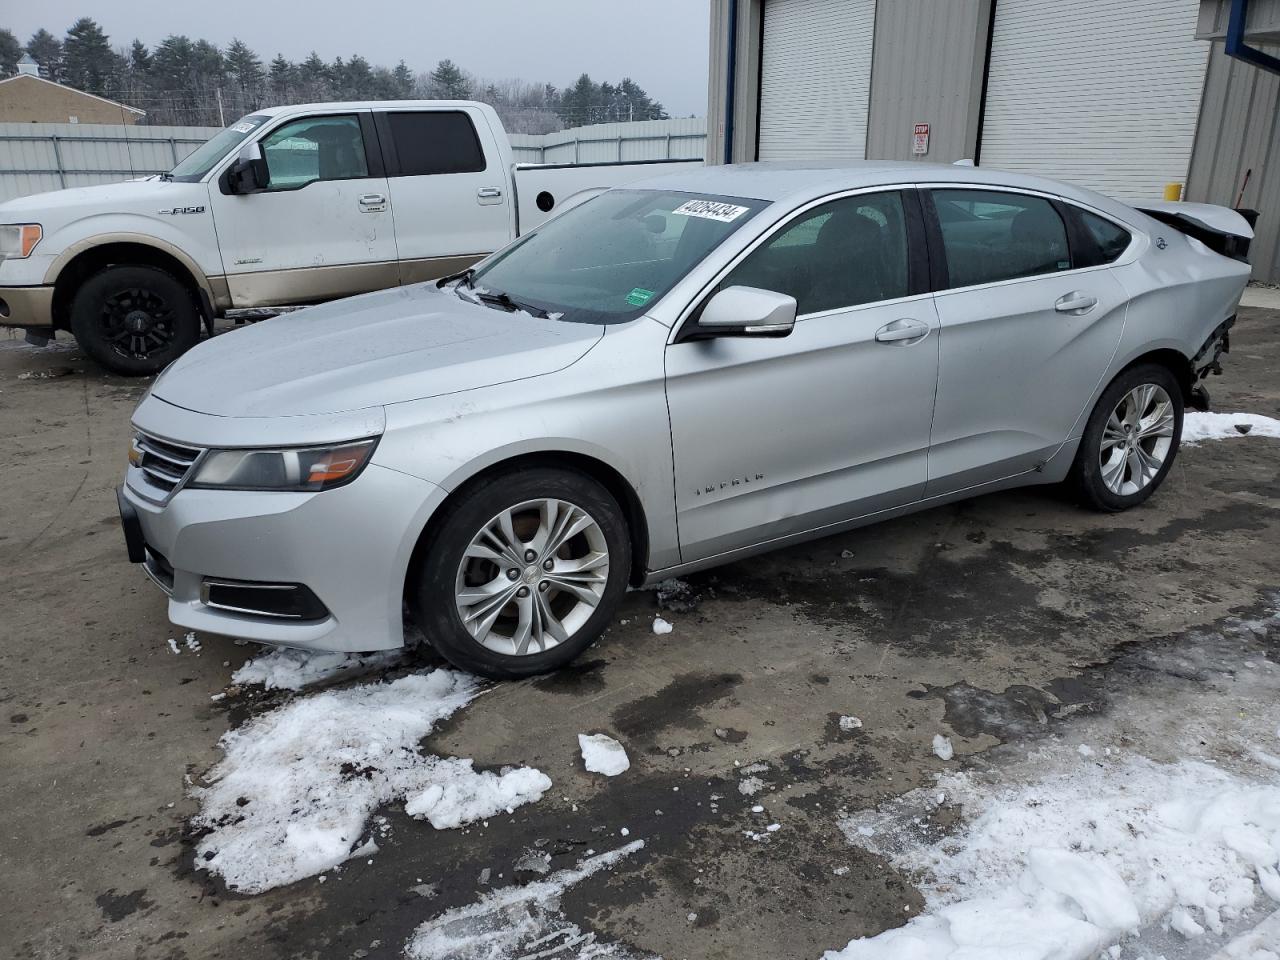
{"x":745,"y":312}
{"x":249,"y":173}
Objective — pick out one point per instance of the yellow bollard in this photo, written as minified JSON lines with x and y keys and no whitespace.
{"x":1173,"y":191}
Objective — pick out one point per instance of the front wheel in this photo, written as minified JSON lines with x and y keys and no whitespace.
{"x":134,"y":320}
{"x":522,"y":573}
{"x":1131,"y":439}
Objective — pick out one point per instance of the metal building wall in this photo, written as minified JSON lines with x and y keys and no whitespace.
{"x":1239,"y":131}
{"x":35,"y":157}
{"x":746,"y":105}
{"x":927,"y":68}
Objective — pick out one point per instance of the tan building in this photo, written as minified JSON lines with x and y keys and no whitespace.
{"x":29,"y":98}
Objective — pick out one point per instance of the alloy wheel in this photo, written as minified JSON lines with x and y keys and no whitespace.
{"x":137,"y":322}
{"x":532,"y":576}
{"x":1136,"y":439}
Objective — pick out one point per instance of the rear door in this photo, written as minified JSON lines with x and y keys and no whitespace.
{"x":322,"y":228}
{"x":778,"y":436}
{"x":1031,"y":317}
{"x":449,"y":197}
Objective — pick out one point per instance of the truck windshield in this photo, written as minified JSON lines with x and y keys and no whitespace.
{"x":610,"y":259}
{"x":201,"y":160}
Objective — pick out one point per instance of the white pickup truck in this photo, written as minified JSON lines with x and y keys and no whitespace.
{"x":290,"y":205}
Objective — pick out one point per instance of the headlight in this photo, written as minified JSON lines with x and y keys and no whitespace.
{"x":17,"y":240}
{"x":293,"y":468}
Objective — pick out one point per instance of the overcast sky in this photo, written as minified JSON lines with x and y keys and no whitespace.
{"x":661,"y":44}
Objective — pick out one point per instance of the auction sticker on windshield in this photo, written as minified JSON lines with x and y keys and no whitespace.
{"x":639,"y":297}
{"x":711,"y":210}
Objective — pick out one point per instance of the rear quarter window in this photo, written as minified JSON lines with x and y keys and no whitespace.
{"x":1106,"y":240}
{"x":435,"y":142}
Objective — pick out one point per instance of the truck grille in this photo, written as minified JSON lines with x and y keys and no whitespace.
{"x":164,"y":464}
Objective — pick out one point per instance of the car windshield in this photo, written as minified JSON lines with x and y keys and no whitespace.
{"x":611,"y":258}
{"x":201,"y":160}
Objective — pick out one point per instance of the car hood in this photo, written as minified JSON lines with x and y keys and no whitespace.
{"x":407,"y":343}
{"x":127,"y":195}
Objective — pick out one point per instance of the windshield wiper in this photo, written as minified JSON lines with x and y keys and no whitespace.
{"x":511,"y":306}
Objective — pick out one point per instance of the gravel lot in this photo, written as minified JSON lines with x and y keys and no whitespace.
{"x":999,"y":621}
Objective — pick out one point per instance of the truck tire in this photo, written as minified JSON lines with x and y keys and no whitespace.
{"x":522,"y":573}
{"x":134,"y":320}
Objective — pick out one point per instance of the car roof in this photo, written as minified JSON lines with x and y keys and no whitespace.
{"x":798,"y":182}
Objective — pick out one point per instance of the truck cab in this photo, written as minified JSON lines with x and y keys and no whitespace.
{"x":288,"y":206}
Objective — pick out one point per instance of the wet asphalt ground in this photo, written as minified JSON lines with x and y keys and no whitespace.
{"x":993,"y":621}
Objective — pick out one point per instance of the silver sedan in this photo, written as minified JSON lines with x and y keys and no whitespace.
{"x":662,"y":379}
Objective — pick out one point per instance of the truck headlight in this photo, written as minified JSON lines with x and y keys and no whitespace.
{"x":289,"y":468}
{"x":17,"y":240}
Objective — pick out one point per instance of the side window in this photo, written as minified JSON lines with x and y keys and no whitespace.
{"x":434,"y":143}
{"x":839,"y":254}
{"x":1108,"y":240}
{"x":989,"y":235}
{"x":316,"y":148}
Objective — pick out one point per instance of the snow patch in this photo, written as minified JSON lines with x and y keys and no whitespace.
{"x":661,"y":626}
{"x":293,"y":795}
{"x":1198,"y":426}
{"x":942,"y":748}
{"x":603,"y":754}
{"x":848,"y":724}
{"x":288,"y":669}
{"x":1073,"y":861}
{"x":520,"y":921}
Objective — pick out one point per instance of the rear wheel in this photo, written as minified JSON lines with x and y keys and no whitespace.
{"x":134,"y":320}
{"x":1131,"y":439}
{"x":523,"y":573}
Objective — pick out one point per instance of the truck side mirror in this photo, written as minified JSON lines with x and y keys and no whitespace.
{"x":249,"y":173}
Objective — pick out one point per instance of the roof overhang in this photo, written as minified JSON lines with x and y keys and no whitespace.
{"x":1261,"y":22}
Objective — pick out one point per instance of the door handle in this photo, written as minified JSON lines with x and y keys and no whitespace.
{"x":1076,"y":303}
{"x":487,"y":195}
{"x":373,"y":202}
{"x":902,"y":331}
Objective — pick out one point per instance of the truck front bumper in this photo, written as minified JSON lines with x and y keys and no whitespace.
{"x":26,"y":306}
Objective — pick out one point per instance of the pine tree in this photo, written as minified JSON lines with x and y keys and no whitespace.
{"x":243,"y":67}
{"x":87,"y":57}
{"x":46,"y":50}
{"x":283,"y":76}
{"x":402,"y":80}
{"x":10,"y":53}
{"x":448,"y":82}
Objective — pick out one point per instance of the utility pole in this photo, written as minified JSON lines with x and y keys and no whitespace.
{"x":222,"y":121}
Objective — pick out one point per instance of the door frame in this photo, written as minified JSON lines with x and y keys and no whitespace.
{"x":918,"y":256}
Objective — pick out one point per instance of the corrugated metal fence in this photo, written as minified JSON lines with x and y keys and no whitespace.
{"x":35,"y":157}
{"x":684,"y":139}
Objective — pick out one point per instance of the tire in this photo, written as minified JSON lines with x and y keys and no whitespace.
{"x":1112,"y":472}
{"x":469,"y":605}
{"x":134,"y":320}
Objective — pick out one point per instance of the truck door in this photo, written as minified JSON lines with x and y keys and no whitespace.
{"x":323,"y":227}
{"x":449,"y":195}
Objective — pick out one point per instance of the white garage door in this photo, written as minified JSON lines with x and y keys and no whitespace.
{"x":815,"y":78}
{"x":1095,"y":92}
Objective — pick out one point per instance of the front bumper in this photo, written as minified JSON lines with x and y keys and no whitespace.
{"x":350,"y":546}
{"x":26,"y":306}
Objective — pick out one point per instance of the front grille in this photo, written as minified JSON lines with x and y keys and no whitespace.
{"x":164,"y":464}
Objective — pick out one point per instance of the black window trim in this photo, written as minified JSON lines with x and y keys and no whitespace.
{"x":688,"y":317}
{"x":382,"y":122}
{"x":1065,"y":208}
{"x":372,"y":154}
{"x":1076,"y":225}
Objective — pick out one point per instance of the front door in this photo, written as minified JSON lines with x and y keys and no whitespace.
{"x":776,"y":436}
{"x":322,"y":229}
{"x":451,"y":202}
{"x":1026,"y":336}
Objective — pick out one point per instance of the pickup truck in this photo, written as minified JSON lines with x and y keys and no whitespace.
{"x":288,"y":206}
